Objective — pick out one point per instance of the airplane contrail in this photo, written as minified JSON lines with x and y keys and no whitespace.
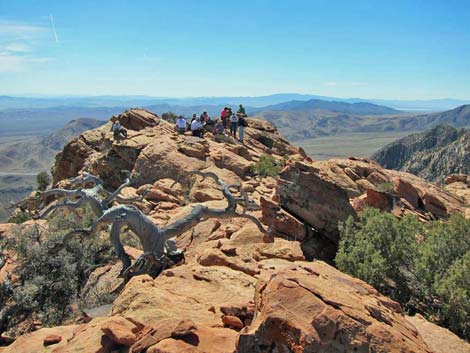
{"x":53,"y":29}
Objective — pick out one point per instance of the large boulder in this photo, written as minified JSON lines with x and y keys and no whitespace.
{"x":311,"y":307}
{"x":137,"y":119}
{"x":306,"y":195}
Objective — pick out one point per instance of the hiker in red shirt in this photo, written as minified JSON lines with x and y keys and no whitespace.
{"x":223,"y":116}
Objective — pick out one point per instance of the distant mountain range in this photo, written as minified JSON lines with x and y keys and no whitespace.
{"x":432,"y":154}
{"x":309,"y":122}
{"x":361,"y":108}
{"x":11,"y":102}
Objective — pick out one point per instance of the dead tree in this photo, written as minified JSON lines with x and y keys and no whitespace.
{"x":158,"y":251}
{"x":87,"y":189}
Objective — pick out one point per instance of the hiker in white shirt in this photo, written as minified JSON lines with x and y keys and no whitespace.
{"x":181,"y":125}
{"x":233,"y":125}
{"x":197,"y":128}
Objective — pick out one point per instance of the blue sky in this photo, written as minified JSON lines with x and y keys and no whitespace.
{"x":403,"y":49}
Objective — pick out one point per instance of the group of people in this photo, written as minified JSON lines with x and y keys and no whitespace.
{"x":228,"y":120}
{"x":201,"y":124}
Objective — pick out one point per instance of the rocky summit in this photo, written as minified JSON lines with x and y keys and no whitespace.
{"x":237,"y":289}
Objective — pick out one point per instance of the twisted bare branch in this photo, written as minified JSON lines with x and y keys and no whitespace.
{"x":154,"y":239}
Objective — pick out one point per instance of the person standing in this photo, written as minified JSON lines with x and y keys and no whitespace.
{"x":242,"y":124}
{"x":223,"y":116}
{"x":233,"y":125}
{"x":241,"y":110}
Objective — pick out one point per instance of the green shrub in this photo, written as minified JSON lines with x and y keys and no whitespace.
{"x":426,"y":267}
{"x":19,"y":217}
{"x":266,"y":166}
{"x":443,"y":243}
{"x":43,"y":180}
{"x":385,"y":187}
{"x":454,"y":291}
{"x":377,"y":247}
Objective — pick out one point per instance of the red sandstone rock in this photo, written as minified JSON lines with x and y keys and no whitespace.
{"x":120,"y":331}
{"x":232,"y":321}
{"x":52,"y":339}
{"x":313,"y":308}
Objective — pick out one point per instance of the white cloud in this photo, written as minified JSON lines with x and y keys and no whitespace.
{"x":21,"y":44}
{"x":15,"y":63}
{"x":331,"y":84}
{"x":15,"y":30}
{"x":17,"y":47}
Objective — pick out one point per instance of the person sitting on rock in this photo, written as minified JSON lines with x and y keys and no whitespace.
{"x":219,"y":128}
{"x":204,"y":117}
{"x":181,"y":125}
{"x":207,"y":121}
{"x":197,"y":128}
{"x":118,"y":131}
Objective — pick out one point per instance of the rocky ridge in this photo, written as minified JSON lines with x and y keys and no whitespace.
{"x":235,"y":291}
{"x":432,"y":154}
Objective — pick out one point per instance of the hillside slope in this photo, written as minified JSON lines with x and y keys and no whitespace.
{"x":432,"y":154}
{"x":22,"y":158}
{"x":238,"y":289}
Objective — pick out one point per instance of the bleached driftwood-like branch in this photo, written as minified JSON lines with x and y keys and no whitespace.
{"x":88,"y":189}
{"x":155,"y":239}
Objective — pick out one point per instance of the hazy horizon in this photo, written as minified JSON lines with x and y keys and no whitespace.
{"x":143,"y":96}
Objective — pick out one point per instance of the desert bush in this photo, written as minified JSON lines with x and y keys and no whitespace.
{"x":266,"y":166}
{"x":224,"y":139}
{"x":19,"y":217}
{"x":170,"y":117}
{"x":424,"y":267}
{"x":385,"y":187}
{"x":52,"y":273}
{"x":43,"y":180}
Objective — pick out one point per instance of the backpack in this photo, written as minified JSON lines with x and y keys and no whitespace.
{"x":244,"y":123}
